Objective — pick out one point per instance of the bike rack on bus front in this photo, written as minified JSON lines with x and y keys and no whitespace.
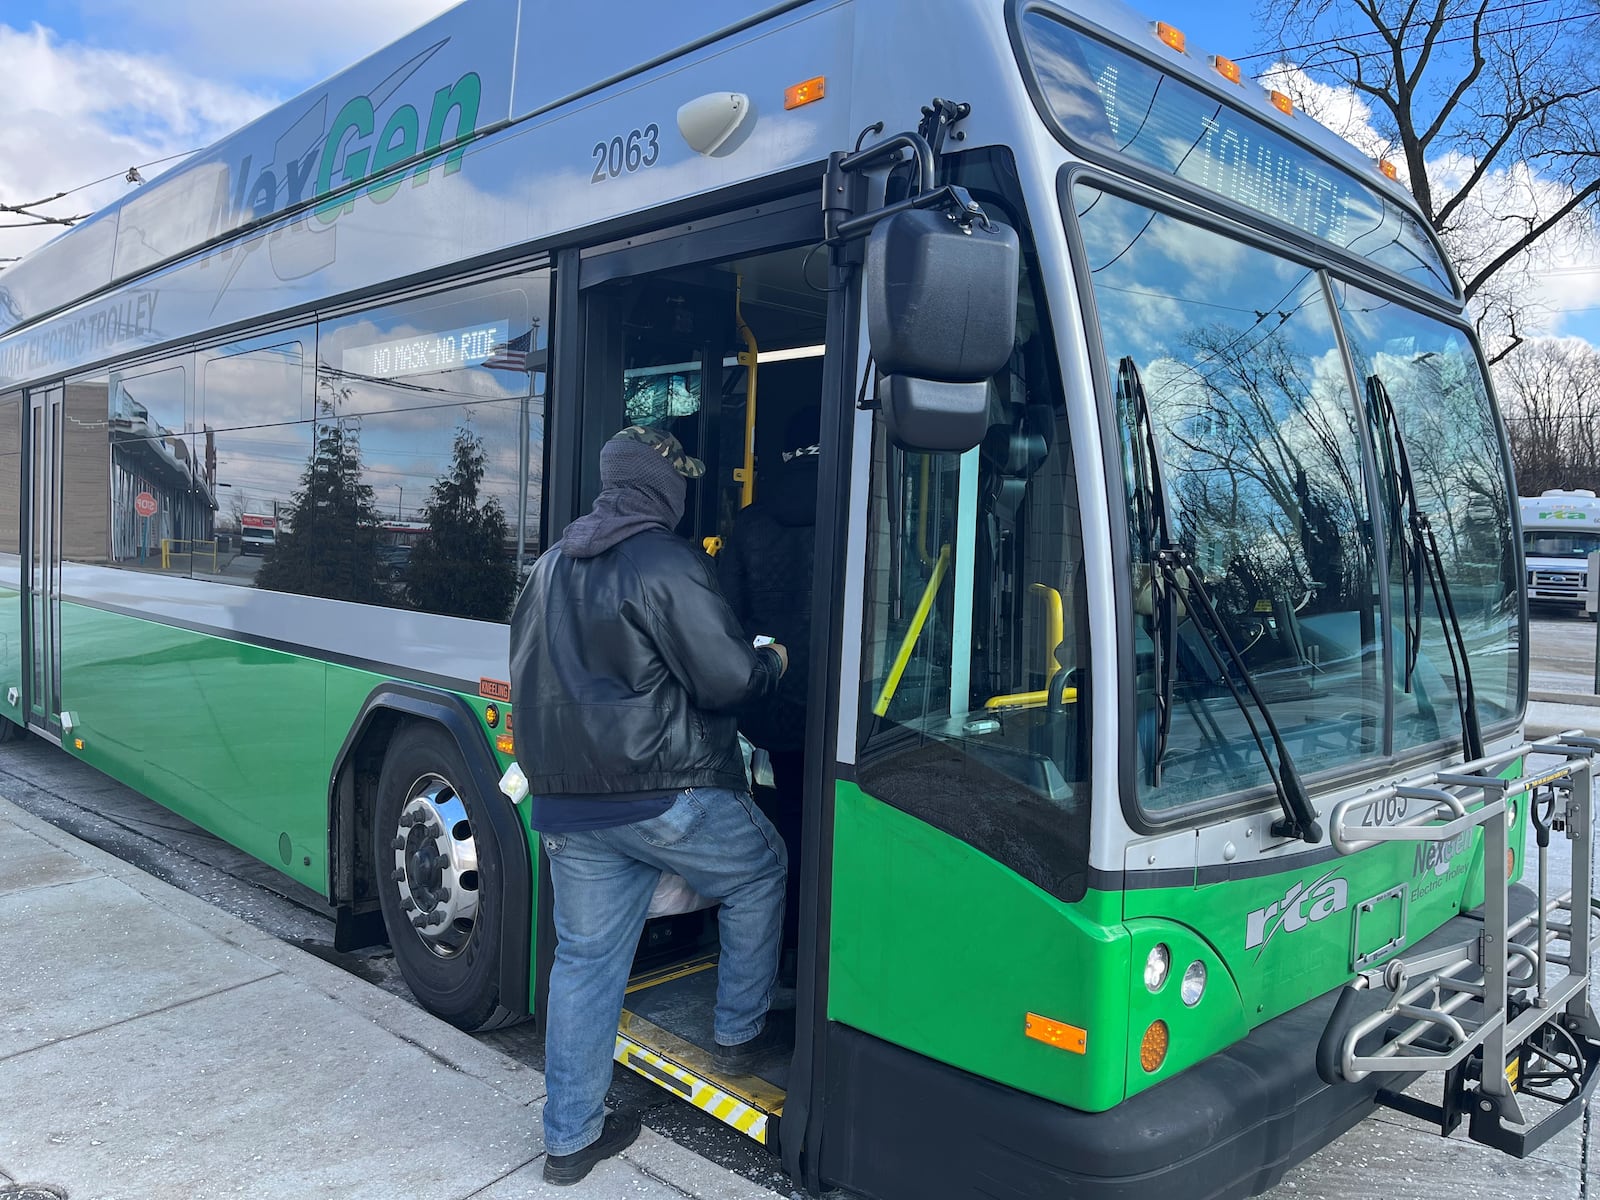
{"x":1504,"y":996}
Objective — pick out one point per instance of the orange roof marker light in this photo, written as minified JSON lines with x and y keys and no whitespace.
{"x":1390,"y":171}
{"x":1056,"y":1033}
{"x":1227,"y":68}
{"x":1171,"y":36}
{"x":808,"y":92}
{"x":1282,"y":103}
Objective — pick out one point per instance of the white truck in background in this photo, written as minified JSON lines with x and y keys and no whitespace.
{"x":257,"y":532}
{"x":1560,"y":529}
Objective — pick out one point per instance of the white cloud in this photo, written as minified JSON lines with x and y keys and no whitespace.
{"x":70,"y":114}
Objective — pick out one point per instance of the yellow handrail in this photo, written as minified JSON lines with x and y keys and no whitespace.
{"x":1029,"y":699}
{"x":1055,"y":624}
{"x":1055,"y":627}
{"x":172,"y":546}
{"x":922,"y":513}
{"x":909,"y":642}
{"x":748,"y":359}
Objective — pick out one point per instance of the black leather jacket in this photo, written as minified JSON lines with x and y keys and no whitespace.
{"x":766,"y":571}
{"x":626,"y":669}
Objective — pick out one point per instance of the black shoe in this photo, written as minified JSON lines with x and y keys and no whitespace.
{"x":776,"y":1035}
{"x":615,"y":1136}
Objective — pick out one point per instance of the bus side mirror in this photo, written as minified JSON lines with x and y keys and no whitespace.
{"x":941,"y":300}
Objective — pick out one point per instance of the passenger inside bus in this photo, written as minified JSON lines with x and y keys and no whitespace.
{"x":765,"y":568}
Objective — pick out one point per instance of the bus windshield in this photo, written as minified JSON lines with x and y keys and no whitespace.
{"x":1261,"y":441}
{"x":1539,"y":543}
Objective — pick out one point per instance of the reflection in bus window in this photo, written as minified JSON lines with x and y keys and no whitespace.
{"x":1436,"y":386}
{"x":410,"y":472}
{"x":252,"y":405}
{"x":1255,"y":428}
{"x":162,"y":512}
{"x":975,"y":684}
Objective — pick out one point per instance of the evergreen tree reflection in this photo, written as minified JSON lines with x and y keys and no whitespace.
{"x":462,"y":566}
{"x":327,"y":543}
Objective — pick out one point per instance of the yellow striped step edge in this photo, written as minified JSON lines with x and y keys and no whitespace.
{"x":681,"y":1067}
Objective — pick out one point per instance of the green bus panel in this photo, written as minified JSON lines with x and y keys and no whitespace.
{"x":938,"y":948}
{"x":12,"y":659}
{"x":228,"y":735}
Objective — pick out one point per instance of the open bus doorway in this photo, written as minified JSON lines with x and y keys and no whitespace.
{"x":727,"y":356}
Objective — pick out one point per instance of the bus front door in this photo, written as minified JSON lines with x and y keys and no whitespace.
{"x":714,"y":333}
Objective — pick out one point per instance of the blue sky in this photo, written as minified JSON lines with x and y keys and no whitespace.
{"x":95,"y":86}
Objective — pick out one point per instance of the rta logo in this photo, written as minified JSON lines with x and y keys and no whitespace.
{"x":1301,"y":904}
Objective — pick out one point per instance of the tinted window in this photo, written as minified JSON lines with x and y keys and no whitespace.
{"x":10,"y":473}
{"x":1257,"y":465}
{"x":161,"y":510}
{"x":254,"y":407}
{"x":418,"y":480}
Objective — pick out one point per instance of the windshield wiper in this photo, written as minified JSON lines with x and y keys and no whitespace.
{"x":1420,"y":554}
{"x":1171,"y":571}
{"x":1150,"y":494}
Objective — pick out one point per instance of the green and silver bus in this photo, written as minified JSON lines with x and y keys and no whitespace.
{"x":1167,"y":802}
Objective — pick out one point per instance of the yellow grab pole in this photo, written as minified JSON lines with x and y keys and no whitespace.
{"x":746,"y":476}
{"x":909,"y":642}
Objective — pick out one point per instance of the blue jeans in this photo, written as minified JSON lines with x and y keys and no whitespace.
{"x":603,"y":878}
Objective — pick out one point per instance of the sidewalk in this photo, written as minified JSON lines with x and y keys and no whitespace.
{"x":156,"y":1048}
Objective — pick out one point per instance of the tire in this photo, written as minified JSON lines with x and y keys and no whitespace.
{"x":439,"y":861}
{"x":10,"y":731}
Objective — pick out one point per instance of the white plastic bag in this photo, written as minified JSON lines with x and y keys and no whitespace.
{"x":757,"y":765}
{"x":674,"y":895}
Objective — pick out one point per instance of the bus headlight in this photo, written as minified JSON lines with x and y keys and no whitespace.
{"x":1156,"y":967}
{"x":1194,"y":983}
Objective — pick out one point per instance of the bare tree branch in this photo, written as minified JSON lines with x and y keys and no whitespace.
{"x":1496,"y":115}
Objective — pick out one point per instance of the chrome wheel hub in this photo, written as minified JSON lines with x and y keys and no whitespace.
{"x":436,"y":866}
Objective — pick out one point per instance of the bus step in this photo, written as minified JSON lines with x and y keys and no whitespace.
{"x":665,"y":1036}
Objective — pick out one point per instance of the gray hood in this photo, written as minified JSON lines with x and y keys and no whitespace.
{"x":639,"y":490}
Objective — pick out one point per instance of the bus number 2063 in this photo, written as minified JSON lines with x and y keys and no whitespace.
{"x":624,"y":155}
{"x":1391,"y":810}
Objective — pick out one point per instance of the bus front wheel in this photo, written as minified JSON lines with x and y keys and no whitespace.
{"x":439,"y":878}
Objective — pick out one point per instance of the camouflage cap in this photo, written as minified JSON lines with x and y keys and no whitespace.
{"x":664,"y":444}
